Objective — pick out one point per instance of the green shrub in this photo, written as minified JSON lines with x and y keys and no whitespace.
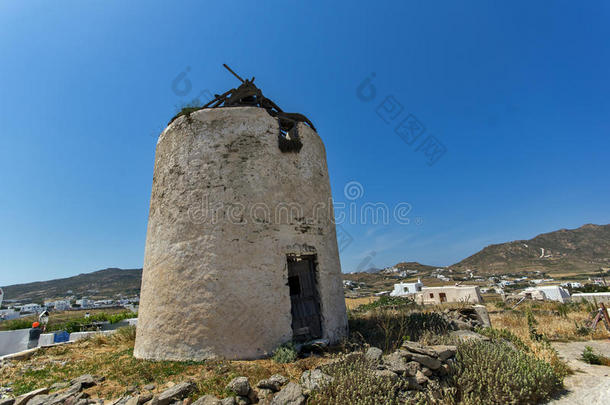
{"x":286,"y":353}
{"x":387,"y":301}
{"x":15,"y":324}
{"x":504,"y":334}
{"x":78,"y":324}
{"x":496,"y":373}
{"x":187,"y":109}
{"x":531,"y":323}
{"x":588,"y":356}
{"x":582,"y":329}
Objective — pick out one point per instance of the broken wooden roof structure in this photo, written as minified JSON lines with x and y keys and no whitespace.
{"x":248,"y":95}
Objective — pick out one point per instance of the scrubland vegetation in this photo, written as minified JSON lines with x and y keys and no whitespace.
{"x":516,"y":365}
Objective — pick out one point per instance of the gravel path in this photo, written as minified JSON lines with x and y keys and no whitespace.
{"x":589,"y":385}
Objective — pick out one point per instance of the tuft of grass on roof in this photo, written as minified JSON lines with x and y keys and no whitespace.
{"x":186,"y":110}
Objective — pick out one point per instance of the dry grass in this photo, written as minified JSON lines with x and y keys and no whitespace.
{"x":352,"y":303}
{"x":112,"y":357}
{"x":553,"y":321}
{"x":559,"y":322}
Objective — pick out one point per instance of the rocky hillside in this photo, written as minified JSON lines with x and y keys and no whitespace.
{"x":581,"y":250}
{"x":102,"y":284}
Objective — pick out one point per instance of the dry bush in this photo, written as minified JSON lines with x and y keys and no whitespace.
{"x":387,"y":328}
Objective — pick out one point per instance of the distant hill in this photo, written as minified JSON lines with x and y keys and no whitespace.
{"x":101,"y":283}
{"x":582,"y":250}
{"x":404,"y":266}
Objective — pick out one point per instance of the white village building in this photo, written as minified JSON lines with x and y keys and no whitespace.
{"x":85,"y":303}
{"x":592,"y":297}
{"x":30,"y":308}
{"x":572,"y":284}
{"x":438,"y":295}
{"x":546,"y":292}
{"x":404,"y":289}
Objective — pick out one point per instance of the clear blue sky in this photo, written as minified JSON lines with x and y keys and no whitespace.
{"x":517,"y":92}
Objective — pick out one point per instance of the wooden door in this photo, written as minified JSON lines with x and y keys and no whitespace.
{"x":304,"y":298}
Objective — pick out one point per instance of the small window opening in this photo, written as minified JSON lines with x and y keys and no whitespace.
{"x":288,"y":137}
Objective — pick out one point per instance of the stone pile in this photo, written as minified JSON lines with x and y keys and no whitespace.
{"x":275,"y":390}
{"x":418,"y":366}
{"x":69,"y":393}
{"x":467,"y":318}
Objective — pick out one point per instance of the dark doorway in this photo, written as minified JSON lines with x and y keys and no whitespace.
{"x":443,"y":297}
{"x":304,"y":298}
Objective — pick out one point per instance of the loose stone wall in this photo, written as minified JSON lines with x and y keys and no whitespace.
{"x":227,"y":207}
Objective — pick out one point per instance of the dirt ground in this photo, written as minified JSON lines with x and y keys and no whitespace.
{"x":590,"y":384}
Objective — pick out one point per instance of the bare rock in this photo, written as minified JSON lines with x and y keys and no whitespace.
{"x":427,"y":361}
{"x":239,"y":386}
{"x":149,"y":387}
{"x":7,"y":401}
{"x":87,"y":380}
{"x":420,"y":378}
{"x":252,"y":396}
{"x":466,"y":335}
{"x":426,"y":371}
{"x":228,"y":401}
{"x":415,"y":347}
{"x":482,"y":315}
{"x":412,"y":368}
{"x":395,"y":362}
{"x":127,"y":400}
{"x":444,"y":351}
{"x":291,"y":394}
{"x":59,"y":386}
{"x":312,"y":380}
{"x":23,"y":399}
{"x":132,"y":401}
{"x":41,"y":400}
{"x":239,"y":400}
{"x":75,"y":388}
{"x":462,"y":325}
{"x":273,"y":383}
{"x":208,"y":400}
{"x":145,"y":397}
{"x":444,"y":370}
{"x":373,"y":354}
{"x":264,"y":394}
{"x":175,"y":393}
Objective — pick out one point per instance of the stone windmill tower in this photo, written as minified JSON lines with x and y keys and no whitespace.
{"x":241,"y":250}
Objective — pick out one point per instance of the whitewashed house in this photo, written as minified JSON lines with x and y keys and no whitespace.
{"x":572,"y":284}
{"x":546,"y":292}
{"x":85,"y":303}
{"x":30,"y":309}
{"x":404,"y":289}
{"x":438,"y":295}
{"x":592,"y":297}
